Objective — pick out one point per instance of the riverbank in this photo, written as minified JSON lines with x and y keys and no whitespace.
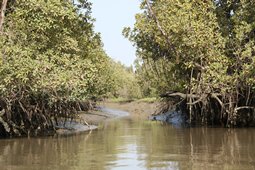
{"x":138,"y":109}
{"x":88,"y":121}
{"x":92,"y":119}
{"x":127,"y":143}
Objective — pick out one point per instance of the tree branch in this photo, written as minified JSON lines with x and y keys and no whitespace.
{"x":217,"y":98}
{"x":181,"y":95}
{"x":161,"y":29}
{"x":3,"y":9}
{"x":243,"y":107}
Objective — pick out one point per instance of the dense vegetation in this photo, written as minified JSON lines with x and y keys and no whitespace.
{"x":197,"y":54}
{"x":125,"y":83}
{"x":51,"y":63}
{"x":200,"y":54}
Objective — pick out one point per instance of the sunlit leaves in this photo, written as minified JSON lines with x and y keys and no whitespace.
{"x":51,"y":47}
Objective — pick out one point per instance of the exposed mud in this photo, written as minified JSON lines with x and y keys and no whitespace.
{"x":139,"y":110}
{"x":110,"y":110}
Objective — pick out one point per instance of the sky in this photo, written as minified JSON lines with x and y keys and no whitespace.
{"x":111,"y":17}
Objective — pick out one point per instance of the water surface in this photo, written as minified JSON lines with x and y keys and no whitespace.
{"x":128,"y":143}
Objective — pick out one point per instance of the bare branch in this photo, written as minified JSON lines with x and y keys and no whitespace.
{"x":218,"y":99}
{"x":197,"y":101}
{"x":244,"y":107}
{"x":3,"y":9}
{"x":161,"y":29}
{"x":181,"y":95}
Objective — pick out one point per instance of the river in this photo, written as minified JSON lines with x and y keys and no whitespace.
{"x":130,"y":144}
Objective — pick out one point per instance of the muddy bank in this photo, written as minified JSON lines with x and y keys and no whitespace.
{"x":175,"y":118}
{"x":88,"y":121}
{"x":70,"y":128}
{"x":108,"y":110}
{"x":136,"y":109}
{"x":146,"y":110}
{"x":105,"y":111}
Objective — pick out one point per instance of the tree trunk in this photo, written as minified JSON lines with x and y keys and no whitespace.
{"x":163,"y":32}
{"x":3,"y":9}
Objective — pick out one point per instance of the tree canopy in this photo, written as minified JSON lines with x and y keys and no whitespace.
{"x":51,"y":59}
{"x":203,"y":49}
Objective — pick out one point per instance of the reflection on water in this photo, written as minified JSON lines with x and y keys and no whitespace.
{"x":130,"y":144}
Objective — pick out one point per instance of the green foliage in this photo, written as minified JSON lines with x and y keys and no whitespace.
{"x":202,"y":48}
{"x":191,"y":28}
{"x":51,"y":46}
{"x":50,"y":59}
{"x":125,"y":84}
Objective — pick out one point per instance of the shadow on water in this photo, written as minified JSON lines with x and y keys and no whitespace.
{"x":129,"y":144}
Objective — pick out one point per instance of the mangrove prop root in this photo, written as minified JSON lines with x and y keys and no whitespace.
{"x":226,"y":110}
{"x":23,"y":117}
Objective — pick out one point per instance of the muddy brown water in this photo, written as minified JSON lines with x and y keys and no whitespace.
{"x":130,"y":144}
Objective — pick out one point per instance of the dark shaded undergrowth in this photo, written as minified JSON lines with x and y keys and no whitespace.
{"x":37,"y":116}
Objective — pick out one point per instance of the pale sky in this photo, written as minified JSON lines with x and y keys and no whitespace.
{"x":111,"y":17}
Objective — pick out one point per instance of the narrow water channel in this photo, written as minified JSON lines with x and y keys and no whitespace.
{"x":131,"y":144}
